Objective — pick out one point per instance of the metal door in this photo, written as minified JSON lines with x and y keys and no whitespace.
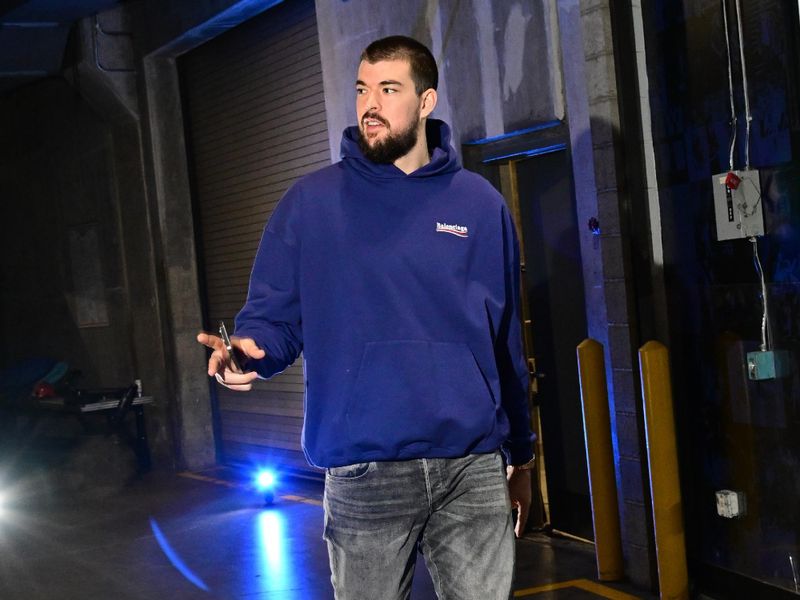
{"x":255,"y":117}
{"x":539,"y":190}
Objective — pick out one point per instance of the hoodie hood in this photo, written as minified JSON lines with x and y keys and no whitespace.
{"x":443,"y":156}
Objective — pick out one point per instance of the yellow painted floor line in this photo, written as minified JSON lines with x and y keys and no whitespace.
{"x":582,"y":584}
{"x":207,"y":479}
{"x":230,"y":484}
{"x":291,"y":498}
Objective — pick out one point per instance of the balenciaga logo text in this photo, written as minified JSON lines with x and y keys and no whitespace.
{"x":458,"y":230}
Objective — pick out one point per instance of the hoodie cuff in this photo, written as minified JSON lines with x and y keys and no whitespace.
{"x":517,"y":453}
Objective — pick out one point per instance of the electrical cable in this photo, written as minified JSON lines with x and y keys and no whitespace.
{"x":766,"y":333}
{"x":765,"y":343}
{"x":733,"y":121}
{"x":748,"y":116}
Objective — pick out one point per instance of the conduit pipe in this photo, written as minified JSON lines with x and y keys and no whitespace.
{"x":662,"y":459}
{"x":600,"y":458}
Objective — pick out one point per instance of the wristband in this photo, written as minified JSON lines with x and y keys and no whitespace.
{"x":528,"y":465}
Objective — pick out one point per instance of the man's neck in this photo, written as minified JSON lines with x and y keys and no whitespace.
{"x":417,"y":157}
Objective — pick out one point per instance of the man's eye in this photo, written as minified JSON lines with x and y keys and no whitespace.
{"x":360,"y":91}
{"x":389,"y":90}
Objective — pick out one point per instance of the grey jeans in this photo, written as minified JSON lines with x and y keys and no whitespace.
{"x":455,"y":511}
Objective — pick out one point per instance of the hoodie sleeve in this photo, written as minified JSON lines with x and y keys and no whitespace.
{"x":510,"y":356}
{"x":271,"y":315}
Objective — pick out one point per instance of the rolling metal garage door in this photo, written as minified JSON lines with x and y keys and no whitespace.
{"x":255,"y":119}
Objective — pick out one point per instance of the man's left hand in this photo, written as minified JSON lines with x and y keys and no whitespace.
{"x":519,"y":489}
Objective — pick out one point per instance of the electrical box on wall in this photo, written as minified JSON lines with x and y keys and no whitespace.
{"x":731,"y":504}
{"x":768,"y":364}
{"x":737,"y":204}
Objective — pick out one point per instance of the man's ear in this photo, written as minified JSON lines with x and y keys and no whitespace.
{"x":429,"y":99}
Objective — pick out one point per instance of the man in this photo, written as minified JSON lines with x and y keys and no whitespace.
{"x":396,"y":273}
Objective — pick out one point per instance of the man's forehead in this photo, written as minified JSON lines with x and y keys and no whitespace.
{"x":396,"y":69}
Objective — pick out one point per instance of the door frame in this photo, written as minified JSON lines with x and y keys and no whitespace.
{"x":494,"y":158}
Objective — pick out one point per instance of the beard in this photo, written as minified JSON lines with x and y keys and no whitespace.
{"x":392,"y":147}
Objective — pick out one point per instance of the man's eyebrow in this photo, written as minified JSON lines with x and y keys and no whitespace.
{"x":385,"y":82}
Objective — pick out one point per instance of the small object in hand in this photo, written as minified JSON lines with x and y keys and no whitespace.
{"x":223,"y":333}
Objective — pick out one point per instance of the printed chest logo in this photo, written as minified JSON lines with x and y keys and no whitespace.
{"x":457,"y":230}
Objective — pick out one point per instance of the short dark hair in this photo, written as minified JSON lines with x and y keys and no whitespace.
{"x":399,"y":47}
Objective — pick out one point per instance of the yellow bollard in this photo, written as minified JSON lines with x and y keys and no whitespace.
{"x":600,"y":458}
{"x":662,"y":458}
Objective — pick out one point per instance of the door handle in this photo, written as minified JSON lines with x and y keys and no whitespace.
{"x":532,"y":370}
{"x":535,"y":377}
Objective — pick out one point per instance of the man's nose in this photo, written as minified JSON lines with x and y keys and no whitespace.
{"x":371,"y":102}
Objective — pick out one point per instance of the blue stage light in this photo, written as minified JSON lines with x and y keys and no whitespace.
{"x":265,"y":480}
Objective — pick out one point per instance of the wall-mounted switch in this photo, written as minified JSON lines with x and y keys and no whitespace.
{"x":737,"y":204}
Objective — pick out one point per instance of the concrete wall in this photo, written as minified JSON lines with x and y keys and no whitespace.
{"x":79,"y":242}
{"x":603,"y":187}
{"x":76,"y":266}
{"x":62,"y":265}
{"x":498,"y":61}
{"x":172,"y":229}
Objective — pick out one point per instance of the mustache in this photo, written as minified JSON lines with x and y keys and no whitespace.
{"x":374,"y":116}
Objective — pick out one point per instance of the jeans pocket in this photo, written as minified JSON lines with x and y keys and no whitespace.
{"x":354,"y":471}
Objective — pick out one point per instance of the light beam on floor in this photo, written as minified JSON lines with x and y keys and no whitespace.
{"x":174,"y":558}
{"x":277,"y":573}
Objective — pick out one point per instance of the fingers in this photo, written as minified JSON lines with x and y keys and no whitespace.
{"x":522,"y":518}
{"x":217,"y":362}
{"x":248,"y":347}
{"x":240,"y":382}
{"x":220,"y":357}
{"x":519,"y":489}
{"x":210,"y":340}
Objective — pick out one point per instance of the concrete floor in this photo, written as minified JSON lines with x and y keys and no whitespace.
{"x":205,"y":535}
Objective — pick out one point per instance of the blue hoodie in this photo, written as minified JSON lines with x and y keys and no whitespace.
{"x":402,"y":292}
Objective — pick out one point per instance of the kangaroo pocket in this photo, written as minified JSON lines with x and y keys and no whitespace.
{"x":411,"y":396}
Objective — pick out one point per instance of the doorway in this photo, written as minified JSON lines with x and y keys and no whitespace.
{"x":537,"y":184}
{"x":553,"y":281}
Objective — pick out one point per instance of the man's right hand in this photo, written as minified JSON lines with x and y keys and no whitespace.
{"x":219,"y":364}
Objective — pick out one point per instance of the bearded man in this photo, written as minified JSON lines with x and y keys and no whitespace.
{"x":396,"y":272}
